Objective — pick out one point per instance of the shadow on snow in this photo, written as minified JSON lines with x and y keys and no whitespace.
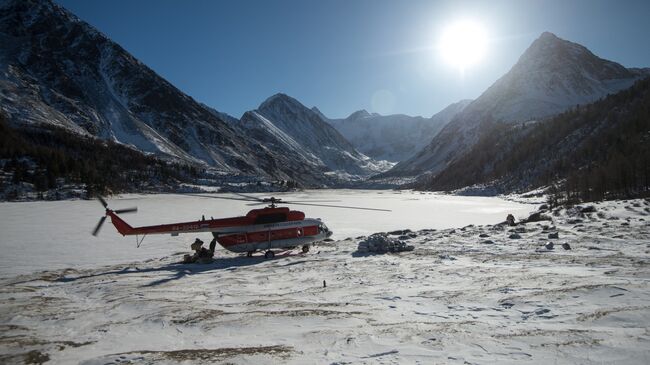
{"x":179,"y":270}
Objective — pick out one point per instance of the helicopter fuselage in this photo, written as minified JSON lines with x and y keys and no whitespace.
{"x":260,"y":229}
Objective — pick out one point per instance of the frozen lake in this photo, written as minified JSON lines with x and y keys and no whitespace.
{"x":37,"y":236}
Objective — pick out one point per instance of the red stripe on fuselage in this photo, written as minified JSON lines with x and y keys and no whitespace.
{"x":263,"y":236}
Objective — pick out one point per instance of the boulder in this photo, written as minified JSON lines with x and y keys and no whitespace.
{"x":549,"y":246}
{"x":381,"y":243}
{"x":553,"y":235}
{"x":566,"y":246}
{"x":399,"y":232}
{"x":514,"y":236}
{"x":588,"y":209}
{"x":537,"y":217}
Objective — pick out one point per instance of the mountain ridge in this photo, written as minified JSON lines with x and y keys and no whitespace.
{"x":394,"y":137}
{"x":55,"y":69}
{"x":288,"y":122}
{"x":534,"y":88}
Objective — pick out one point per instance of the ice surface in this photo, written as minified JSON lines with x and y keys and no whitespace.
{"x":56,"y":235}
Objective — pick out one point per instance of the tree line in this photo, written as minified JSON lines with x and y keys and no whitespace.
{"x":49,"y":157}
{"x":593,"y":152}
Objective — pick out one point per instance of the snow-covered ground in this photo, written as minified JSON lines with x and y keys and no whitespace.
{"x":470,"y":294}
{"x":56,"y":235}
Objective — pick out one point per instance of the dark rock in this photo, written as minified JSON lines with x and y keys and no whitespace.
{"x":588,"y":209}
{"x":566,"y":246}
{"x":487,"y":242}
{"x":553,"y":235}
{"x":483,"y":235}
{"x":399,"y":232}
{"x":514,"y":236}
{"x":549,"y":246}
{"x":543,"y":207}
{"x":536,"y":217}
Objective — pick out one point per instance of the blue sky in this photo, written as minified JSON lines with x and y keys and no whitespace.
{"x":338,"y":54}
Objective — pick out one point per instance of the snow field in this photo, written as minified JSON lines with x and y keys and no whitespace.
{"x":457,"y":298}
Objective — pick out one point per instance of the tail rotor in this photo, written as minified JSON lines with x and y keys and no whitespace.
{"x":99,"y":225}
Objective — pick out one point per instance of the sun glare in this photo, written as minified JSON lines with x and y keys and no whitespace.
{"x":463,"y":44}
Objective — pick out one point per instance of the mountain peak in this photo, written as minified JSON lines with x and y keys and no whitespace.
{"x":278,"y":99}
{"x":552,"y":54}
{"x":319,"y":113}
{"x":548,"y":36}
{"x":359,"y":114}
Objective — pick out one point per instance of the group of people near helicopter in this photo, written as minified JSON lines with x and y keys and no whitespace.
{"x":201,"y":254}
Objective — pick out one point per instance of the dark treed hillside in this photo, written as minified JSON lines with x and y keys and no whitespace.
{"x":598,"y":151}
{"x":48,"y":158}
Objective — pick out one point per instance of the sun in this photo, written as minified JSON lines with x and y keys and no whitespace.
{"x":463,"y":44}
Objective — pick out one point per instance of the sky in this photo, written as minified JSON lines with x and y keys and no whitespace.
{"x":345,"y":55}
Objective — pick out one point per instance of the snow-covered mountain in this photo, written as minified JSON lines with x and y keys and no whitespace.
{"x":551,"y":76}
{"x":393,"y":137}
{"x":302,"y":137}
{"x":58,"y":70}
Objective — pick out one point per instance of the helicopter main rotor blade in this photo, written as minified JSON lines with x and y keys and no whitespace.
{"x":99,"y":226}
{"x":294,"y":202}
{"x":224,"y":197}
{"x":101,"y":200}
{"x":309,"y":201}
{"x":341,"y":206}
{"x":127,"y":210}
{"x":248,"y":196}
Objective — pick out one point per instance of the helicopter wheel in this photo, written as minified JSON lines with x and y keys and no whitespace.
{"x":269,"y":254}
{"x":250,"y":253}
{"x":305,"y":248}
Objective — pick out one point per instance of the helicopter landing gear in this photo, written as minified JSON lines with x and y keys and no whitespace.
{"x":305,"y":248}
{"x":250,"y":253}
{"x":269,"y":254}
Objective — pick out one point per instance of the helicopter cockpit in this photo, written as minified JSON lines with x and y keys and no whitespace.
{"x":322,"y":228}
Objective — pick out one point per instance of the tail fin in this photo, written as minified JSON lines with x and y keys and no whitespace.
{"x":122,"y":227}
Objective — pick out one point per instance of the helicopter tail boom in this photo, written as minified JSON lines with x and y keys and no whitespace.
{"x":121,"y":226}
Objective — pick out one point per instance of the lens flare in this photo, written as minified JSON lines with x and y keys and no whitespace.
{"x":463,"y":44}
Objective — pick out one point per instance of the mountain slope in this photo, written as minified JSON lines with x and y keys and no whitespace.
{"x":551,"y":76}
{"x":393,"y":137}
{"x":56,"y":69}
{"x":601,"y":150}
{"x":294,"y":131}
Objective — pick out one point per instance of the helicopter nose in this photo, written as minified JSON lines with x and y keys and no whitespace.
{"x":329,"y":233}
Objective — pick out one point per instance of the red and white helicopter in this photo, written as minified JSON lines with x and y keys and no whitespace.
{"x":265,"y":229}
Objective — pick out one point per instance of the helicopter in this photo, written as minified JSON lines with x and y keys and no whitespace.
{"x":266,"y":229}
